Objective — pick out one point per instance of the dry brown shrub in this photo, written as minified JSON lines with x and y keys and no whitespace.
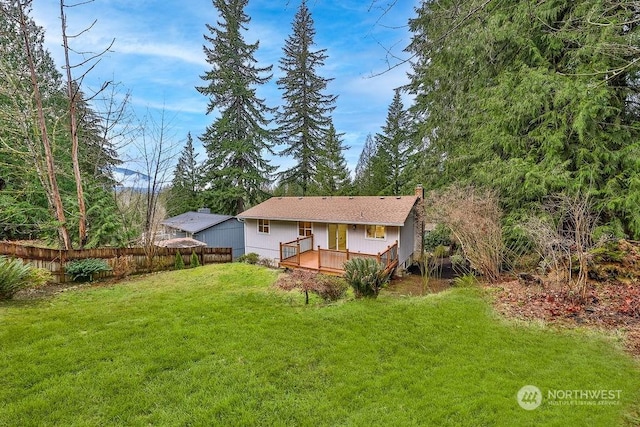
{"x":562,"y":236}
{"x":123,"y":266}
{"x":474,"y":217}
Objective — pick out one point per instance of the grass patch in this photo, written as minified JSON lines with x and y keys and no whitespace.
{"x":218,"y":345}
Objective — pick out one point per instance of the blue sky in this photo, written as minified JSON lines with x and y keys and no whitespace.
{"x":157,"y":55}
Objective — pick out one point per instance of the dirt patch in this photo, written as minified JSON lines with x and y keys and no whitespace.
{"x":51,"y":289}
{"x":415,"y":285}
{"x":611,"y":306}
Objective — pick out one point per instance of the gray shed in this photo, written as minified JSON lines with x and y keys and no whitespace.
{"x":217,"y":231}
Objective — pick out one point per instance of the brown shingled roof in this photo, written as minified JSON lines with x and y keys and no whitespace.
{"x":387,"y":210}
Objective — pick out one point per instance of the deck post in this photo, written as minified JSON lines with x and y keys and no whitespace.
{"x":378,"y":258}
{"x":298,"y":252}
{"x":347,"y":254}
{"x":280,"y":251}
{"x":319,"y":258}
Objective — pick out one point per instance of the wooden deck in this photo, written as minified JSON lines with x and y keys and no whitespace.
{"x":298,"y":254}
{"x":310,"y":261}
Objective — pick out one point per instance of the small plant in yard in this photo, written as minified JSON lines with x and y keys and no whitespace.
{"x":16,"y":275}
{"x":195,"y":261}
{"x":179,"y":263}
{"x":82,"y":270}
{"x":440,"y":236}
{"x":466,"y":281}
{"x":123,"y":266}
{"x":250,"y":258}
{"x":326,"y":287}
{"x":366,"y":276}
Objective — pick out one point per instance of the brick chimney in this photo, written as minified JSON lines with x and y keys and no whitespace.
{"x":419,"y":192}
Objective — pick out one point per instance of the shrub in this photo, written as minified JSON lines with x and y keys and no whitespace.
{"x":82,"y":270}
{"x":16,"y":275}
{"x":195,"y":261}
{"x":38,"y":276}
{"x":250,"y":258}
{"x":179,"y":263}
{"x":440,"y":236}
{"x":466,"y":281}
{"x":440,"y":252}
{"x":366,"y":276}
{"x":329,"y":288}
{"x":123,"y":266}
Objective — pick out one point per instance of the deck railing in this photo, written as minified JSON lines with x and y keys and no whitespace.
{"x":290,"y":251}
{"x":331,"y":259}
{"x":334,"y":260}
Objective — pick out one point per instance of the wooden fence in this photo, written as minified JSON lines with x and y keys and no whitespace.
{"x":138,"y":260}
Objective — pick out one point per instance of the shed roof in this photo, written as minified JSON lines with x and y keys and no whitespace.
{"x":194,"y":222}
{"x":378,"y":210}
{"x":180,"y":243}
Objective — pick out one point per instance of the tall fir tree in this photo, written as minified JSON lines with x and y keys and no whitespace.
{"x":392,"y":150}
{"x":236,"y":169}
{"x":183,"y":195}
{"x":532,"y":98}
{"x":363,"y":180}
{"x":333,"y":177}
{"x":304,"y":120}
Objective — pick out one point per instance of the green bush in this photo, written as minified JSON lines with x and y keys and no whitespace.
{"x":179,"y":263}
{"x":195,"y":261}
{"x":440,"y":252}
{"x":366,"y":276}
{"x":440,"y":236}
{"x":82,"y":270}
{"x":250,"y":258}
{"x":466,"y":281}
{"x":16,"y":275}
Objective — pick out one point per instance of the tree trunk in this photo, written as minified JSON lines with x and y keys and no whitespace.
{"x":72,"y":93}
{"x":52,"y":188}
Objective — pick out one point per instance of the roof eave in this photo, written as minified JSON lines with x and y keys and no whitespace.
{"x":390,"y":224}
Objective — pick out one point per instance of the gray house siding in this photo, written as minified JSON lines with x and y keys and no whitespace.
{"x":229,"y":233}
{"x":407,"y":238}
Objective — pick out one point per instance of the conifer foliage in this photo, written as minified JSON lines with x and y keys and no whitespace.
{"x":532,"y":98}
{"x":185,"y":186}
{"x":236,"y":170}
{"x":304,"y":121}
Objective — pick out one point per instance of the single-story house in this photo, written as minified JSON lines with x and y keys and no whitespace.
{"x":321,"y":233}
{"x":217,"y":231}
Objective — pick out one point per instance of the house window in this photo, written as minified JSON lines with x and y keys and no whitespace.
{"x":304,"y":229}
{"x":375,"y":232}
{"x":263,"y":226}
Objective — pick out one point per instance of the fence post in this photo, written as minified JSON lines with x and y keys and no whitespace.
{"x":379,"y":258}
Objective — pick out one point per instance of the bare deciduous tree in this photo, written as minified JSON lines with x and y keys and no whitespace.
{"x":474,"y":217}
{"x":563,"y":235}
{"x":50,"y":183}
{"x":73,"y":88}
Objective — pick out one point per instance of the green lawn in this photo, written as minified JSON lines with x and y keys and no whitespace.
{"x":218,"y":346}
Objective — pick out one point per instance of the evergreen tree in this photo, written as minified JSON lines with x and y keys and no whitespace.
{"x":332,"y":177}
{"x":363,"y":180}
{"x":236,"y":142}
{"x":531,"y":98}
{"x":392,"y":150}
{"x":183,"y":194}
{"x":304,"y":121}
